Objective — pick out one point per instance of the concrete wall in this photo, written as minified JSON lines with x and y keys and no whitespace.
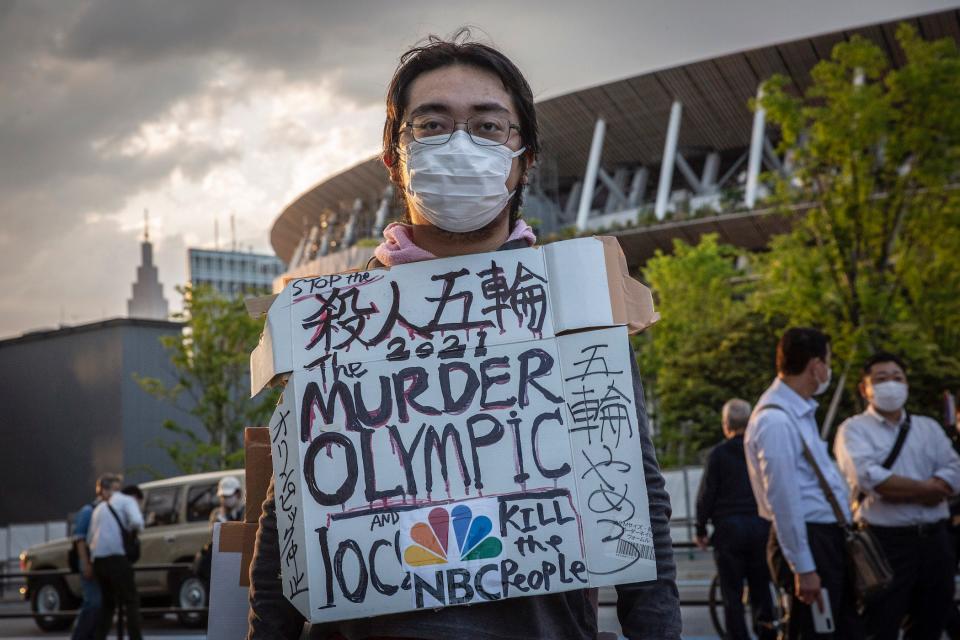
{"x":70,"y":410}
{"x":142,"y":414}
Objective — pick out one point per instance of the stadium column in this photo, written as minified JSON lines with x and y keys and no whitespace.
{"x":756,"y":152}
{"x":638,"y":187}
{"x":590,"y":177}
{"x":382,"y":211}
{"x":669,"y":159}
{"x":711,"y":169}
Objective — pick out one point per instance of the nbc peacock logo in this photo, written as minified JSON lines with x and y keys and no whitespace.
{"x":431,"y":538}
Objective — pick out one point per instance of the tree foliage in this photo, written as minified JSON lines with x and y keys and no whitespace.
{"x":211,"y":363}
{"x":710,"y":345}
{"x":874,"y":153}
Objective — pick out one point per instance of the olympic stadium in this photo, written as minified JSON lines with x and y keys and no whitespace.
{"x":673,"y":153}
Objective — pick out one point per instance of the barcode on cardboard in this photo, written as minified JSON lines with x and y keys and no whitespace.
{"x":630,"y":550}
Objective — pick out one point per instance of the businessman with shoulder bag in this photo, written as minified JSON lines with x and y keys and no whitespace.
{"x":903,"y":469}
{"x":114,"y":547}
{"x":800,"y":490}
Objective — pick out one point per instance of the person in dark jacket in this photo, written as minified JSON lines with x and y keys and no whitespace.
{"x":467,"y":91}
{"x":739,"y":539}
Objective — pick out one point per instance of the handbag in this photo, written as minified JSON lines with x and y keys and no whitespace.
{"x":131,"y":541}
{"x":871,"y":570}
{"x":894,"y":453}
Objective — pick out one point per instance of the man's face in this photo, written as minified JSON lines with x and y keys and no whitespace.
{"x":879,"y":373}
{"x":821,"y":367}
{"x":230,"y":501}
{"x":461,"y":92}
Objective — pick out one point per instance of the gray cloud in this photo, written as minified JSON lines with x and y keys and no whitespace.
{"x":80,"y":77}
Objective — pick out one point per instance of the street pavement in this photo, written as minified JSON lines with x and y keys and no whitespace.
{"x":695,"y":569}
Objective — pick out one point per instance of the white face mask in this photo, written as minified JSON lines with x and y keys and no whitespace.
{"x":459,"y":186}
{"x":231,"y":501}
{"x":825,"y":384}
{"x":890,"y":395}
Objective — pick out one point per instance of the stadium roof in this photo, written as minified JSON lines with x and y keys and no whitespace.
{"x":714,"y":93}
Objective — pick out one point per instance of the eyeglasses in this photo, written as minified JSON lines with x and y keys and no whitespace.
{"x":484,"y":130}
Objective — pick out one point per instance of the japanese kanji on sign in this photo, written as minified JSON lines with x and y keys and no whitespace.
{"x":458,"y":431}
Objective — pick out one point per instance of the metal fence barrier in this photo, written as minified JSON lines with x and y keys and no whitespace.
{"x":26,"y":575}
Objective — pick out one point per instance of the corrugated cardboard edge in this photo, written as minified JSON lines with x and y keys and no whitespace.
{"x":231,"y":537}
{"x":259,"y":470}
{"x":261,"y":358}
{"x":258,"y":307}
{"x":239,"y":537}
{"x":630,"y":301}
{"x":246,"y":556}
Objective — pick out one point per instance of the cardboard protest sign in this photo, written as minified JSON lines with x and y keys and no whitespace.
{"x":458,"y":431}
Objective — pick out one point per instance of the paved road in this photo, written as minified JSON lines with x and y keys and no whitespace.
{"x":696,"y":624}
{"x":694,"y":568}
{"x":153,"y":627}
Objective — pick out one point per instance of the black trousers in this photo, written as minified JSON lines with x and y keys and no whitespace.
{"x":922,"y":592}
{"x":115,"y":574}
{"x":738,"y":549}
{"x":952,"y":625}
{"x":830,"y":555}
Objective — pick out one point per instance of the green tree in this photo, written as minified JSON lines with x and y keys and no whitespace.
{"x":211,"y":363}
{"x":710,"y":345}
{"x":875,"y":153}
{"x":874,"y":259}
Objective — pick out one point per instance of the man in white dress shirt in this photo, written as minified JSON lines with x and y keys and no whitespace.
{"x":806,"y":550}
{"x":110,"y":564}
{"x":902,"y":500}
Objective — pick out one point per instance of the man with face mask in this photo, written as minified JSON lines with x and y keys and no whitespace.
{"x":902,"y":468}
{"x":459,"y":139}
{"x":230,"y":494}
{"x":806,"y":550}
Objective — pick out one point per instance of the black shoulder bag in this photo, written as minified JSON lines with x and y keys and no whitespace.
{"x":131,"y":541}
{"x":894,"y":453}
{"x":872,"y":574}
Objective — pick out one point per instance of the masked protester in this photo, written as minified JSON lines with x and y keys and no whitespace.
{"x":231,"y":506}
{"x":902,"y":469}
{"x":806,"y":551}
{"x":231,"y":509}
{"x":459,"y":139}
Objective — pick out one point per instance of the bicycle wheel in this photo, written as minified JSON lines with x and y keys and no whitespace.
{"x":714,"y":602}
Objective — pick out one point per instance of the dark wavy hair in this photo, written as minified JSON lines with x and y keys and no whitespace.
{"x":877,"y":358}
{"x":459,"y":49}
{"x":798,"y":346}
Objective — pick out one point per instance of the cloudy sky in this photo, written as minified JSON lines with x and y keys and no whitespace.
{"x":200,"y":109}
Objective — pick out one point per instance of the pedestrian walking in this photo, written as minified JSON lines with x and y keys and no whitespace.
{"x":739,"y":538}
{"x":785,"y":455}
{"x":112,"y":522}
{"x":86,"y":624}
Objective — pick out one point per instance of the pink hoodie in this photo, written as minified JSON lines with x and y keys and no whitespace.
{"x":398,"y":247}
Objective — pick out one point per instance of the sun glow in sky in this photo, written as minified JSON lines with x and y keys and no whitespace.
{"x":202,"y":111}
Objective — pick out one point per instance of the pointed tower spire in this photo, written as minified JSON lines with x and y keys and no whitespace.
{"x":147,"y":300}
